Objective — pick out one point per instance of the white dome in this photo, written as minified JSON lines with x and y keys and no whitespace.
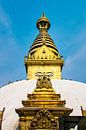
{"x":12,"y":94}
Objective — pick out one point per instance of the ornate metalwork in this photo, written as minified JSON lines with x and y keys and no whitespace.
{"x":44,"y":80}
{"x":44,"y":120}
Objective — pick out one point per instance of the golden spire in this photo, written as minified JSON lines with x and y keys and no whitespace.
{"x":43,"y":55}
{"x":43,"y":38}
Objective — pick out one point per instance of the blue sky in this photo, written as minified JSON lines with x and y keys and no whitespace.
{"x":18,"y":31}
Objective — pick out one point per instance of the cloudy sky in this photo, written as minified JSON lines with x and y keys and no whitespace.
{"x":18,"y":31}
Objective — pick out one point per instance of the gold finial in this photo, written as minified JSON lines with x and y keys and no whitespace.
{"x":43,"y":23}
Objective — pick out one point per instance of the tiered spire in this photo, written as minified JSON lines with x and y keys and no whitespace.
{"x":43,"y":37}
{"x":44,"y":95}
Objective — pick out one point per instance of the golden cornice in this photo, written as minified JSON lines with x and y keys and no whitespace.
{"x":43,"y":103}
{"x":31,"y":111}
{"x":44,"y":96}
{"x":44,"y":62}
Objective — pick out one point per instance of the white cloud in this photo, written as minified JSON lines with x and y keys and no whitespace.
{"x":75,"y":64}
{"x":4,"y":19}
{"x":10,"y":50}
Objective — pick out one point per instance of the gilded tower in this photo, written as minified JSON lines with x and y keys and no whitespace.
{"x":43,"y":55}
{"x":44,"y":107}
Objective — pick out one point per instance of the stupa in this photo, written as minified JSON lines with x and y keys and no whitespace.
{"x":41,"y":100}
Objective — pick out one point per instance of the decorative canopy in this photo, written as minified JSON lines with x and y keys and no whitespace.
{"x":43,"y":23}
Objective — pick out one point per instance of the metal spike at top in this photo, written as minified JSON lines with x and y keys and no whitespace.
{"x":43,"y":14}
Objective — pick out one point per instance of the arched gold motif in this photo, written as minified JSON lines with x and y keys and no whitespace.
{"x":44,"y":120}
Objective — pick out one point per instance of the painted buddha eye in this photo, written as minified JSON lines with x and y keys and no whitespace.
{"x":38,"y":74}
{"x":49,"y":74}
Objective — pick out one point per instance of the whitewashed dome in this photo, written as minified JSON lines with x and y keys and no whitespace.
{"x":12,"y":94}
